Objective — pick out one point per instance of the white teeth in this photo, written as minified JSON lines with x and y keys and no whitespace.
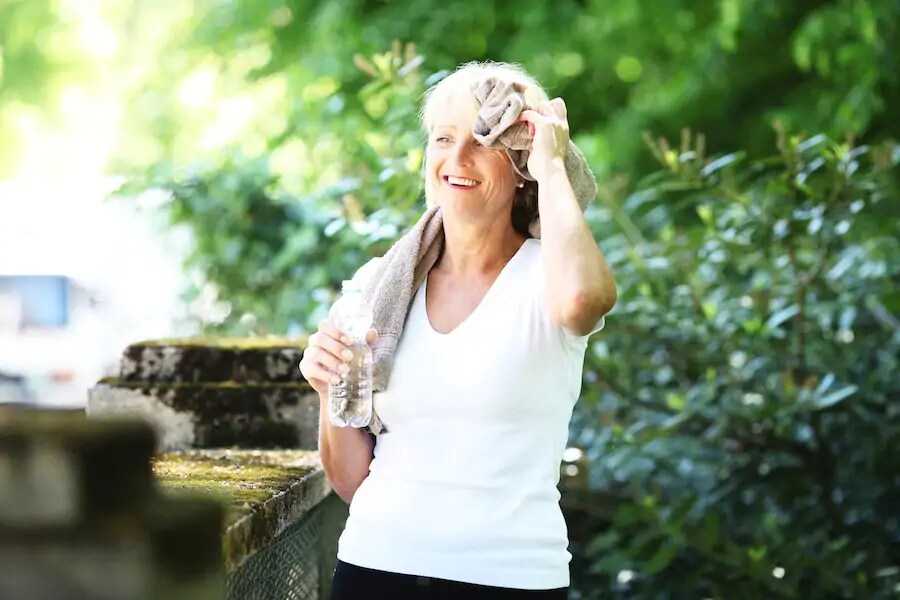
{"x":458,"y":181}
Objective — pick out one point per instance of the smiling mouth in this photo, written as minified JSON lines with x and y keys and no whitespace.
{"x":461,"y":183}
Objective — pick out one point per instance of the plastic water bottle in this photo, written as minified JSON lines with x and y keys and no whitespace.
{"x":350,"y":400}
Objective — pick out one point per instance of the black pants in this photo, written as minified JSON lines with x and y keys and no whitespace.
{"x":357,"y":583}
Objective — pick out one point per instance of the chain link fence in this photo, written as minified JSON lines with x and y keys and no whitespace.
{"x":298,"y":564}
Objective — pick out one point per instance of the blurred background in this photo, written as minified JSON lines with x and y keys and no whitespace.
{"x":217,"y":167}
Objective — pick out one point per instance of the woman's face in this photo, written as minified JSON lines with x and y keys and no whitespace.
{"x":466,"y":179}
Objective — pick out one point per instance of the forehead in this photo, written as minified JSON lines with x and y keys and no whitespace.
{"x":456,"y":111}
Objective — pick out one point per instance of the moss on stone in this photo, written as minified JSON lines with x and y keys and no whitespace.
{"x":229,"y":343}
{"x":264,"y":491}
{"x":214,"y":385}
{"x":242,"y":479}
{"x":214,"y":360}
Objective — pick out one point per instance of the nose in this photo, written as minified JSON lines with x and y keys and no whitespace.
{"x":463,"y":153}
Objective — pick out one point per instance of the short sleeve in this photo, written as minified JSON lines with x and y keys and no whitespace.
{"x":597,"y":327}
{"x":581,"y":341}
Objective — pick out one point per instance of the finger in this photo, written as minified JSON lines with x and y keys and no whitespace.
{"x":322,"y":365}
{"x":532,"y":116}
{"x":329,"y":328}
{"x":319,"y":377}
{"x":330,"y":346}
{"x":559,"y":107}
{"x":309,"y":370}
{"x":316,"y":357}
{"x":548,"y":109}
{"x":334,"y":363}
{"x":532,"y":119}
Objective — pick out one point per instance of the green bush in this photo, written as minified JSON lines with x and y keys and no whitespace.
{"x":742,"y":407}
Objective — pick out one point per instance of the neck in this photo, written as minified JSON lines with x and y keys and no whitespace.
{"x":473,"y":250}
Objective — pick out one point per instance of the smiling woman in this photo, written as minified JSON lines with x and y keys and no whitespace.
{"x":447,"y":115}
{"x":456,"y":161}
{"x":482,"y":320}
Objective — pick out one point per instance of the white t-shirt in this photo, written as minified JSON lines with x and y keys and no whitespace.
{"x":463,"y":486}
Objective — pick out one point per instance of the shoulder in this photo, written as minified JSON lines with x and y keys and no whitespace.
{"x":531,"y":253}
{"x":532,"y":245}
{"x":533,"y":262}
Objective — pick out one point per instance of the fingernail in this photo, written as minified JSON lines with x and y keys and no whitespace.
{"x":345,"y":339}
{"x":347,"y":354}
{"x":335,"y":379}
{"x":344,"y":368}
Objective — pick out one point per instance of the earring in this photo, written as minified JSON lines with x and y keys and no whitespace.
{"x":521,"y":184}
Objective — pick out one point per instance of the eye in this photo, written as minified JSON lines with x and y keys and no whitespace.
{"x":443,"y":139}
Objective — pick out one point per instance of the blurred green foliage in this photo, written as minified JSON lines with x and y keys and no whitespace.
{"x":725,"y":67}
{"x":278,"y":256}
{"x":741,"y":408}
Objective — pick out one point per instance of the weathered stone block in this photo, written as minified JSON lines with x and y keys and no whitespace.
{"x":214,"y":393}
{"x":265,"y":491}
{"x":57,"y":469}
{"x":210,"y":360}
{"x":215,"y":415}
{"x":81,"y":516}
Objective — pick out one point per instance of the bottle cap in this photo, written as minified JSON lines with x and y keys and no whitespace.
{"x":348,"y":285}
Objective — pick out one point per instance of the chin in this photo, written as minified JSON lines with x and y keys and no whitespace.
{"x":461,"y":204}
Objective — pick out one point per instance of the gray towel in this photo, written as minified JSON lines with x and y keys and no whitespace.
{"x":501,"y":103}
{"x":396,"y":277}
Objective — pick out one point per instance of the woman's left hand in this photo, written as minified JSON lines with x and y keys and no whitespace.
{"x":550,"y":128}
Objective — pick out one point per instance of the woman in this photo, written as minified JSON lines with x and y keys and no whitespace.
{"x":459,"y":499}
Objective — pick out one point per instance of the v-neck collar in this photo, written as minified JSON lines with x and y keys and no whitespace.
{"x":478,"y":308}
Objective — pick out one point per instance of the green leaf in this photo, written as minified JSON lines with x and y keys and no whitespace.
{"x":824,"y":384}
{"x":601,"y":544}
{"x":756,"y":553}
{"x":835,"y":397}
{"x":675,"y":401}
{"x":781,"y":316}
{"x":709,"y":532}
{"x":721,"y":163}
{"x":661,"y":559}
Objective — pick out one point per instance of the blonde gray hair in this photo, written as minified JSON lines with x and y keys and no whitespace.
{"x":459,"y":86}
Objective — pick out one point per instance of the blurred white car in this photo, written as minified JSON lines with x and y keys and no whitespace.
{"x":13,"y":389}
{"x":44,"y":340}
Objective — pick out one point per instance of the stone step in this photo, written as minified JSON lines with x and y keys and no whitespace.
{"x":265,"y":491}
{"x":256,"y":360}
{"x":57,"y":468}
{"x":214,"y":415}
{"x":82,"y":516}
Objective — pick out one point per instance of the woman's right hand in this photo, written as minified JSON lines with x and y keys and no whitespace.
{"x":325,"y":358}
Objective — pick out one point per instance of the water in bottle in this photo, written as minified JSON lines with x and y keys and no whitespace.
{"x":350,"y":400}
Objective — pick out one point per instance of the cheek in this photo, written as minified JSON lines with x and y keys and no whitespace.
{"x":502,"y":168}
{"x":504,"y":176}
{"x":428,"y":167}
